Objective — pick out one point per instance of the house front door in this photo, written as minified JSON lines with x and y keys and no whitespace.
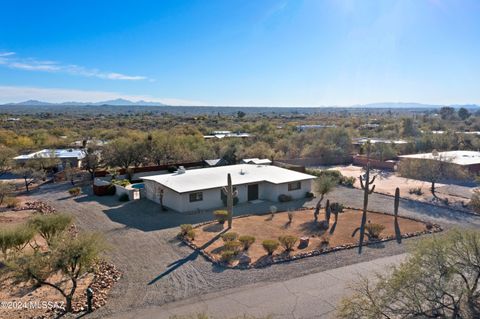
{"x":252,"y":192}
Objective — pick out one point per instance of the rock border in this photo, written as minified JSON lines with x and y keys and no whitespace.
{"x":281,"y":258}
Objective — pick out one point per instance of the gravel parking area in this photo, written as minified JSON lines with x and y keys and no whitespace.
{"x":158,"y":269}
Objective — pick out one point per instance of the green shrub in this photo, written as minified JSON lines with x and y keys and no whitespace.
{"x":51,"y":226}
{"x":334,"y":175}
{"x":75,"y":191}
{"x":336,"y":207}
{"x":309,"y":195}
{"x":123,"y":198}
{"x":121,"y":182}
{"x":270,"y":245}
{"x":221,"y":216}
{"x":11,"y":202}
{"x":227,"y":256}
{"x":284,"y":198}
{"x":348,"y":181}
{"x":288,"y":242}
{"x":191,"y":234}
{"x":15,"y":238}
{"x":233,"y":245}
{"x":246,"y":241}
{"x":230,"y":236}
{"x":374,"y":230}
{"x":184,"y":229}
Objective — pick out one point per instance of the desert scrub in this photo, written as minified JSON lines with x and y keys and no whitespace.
{"x":233,"y":245}
{"x":374,"y":230}
{"x":230,"y":236}
{"x":416,"y":191}
{"x":246,"y":241}
{"x":288,"y":242}
{"x":11,"y":202}
{"x":75,"y":191}
{"x":184,"y":229}
{"x":121,"y":182}
{"x":227,"y":256}
{"x":191,"y":234}
{"x":270,"y":245}
{"x":221,"y":216}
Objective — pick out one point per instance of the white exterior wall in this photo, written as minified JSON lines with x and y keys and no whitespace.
{"x":212,"y":198}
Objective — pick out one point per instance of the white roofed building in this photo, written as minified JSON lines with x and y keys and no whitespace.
{"x":467,"y":159}
{"x":73,"y":156}
{"x":190,"y":190}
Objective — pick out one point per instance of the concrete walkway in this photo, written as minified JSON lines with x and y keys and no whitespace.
{"x":311,"y":296}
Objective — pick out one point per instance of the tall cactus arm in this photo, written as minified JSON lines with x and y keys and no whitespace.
{"x":361,"y":182}
{"x":371,"y":191}
{"x":373,"y":180}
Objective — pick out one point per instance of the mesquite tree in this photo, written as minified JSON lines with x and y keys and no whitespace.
{"x":230,"y":193}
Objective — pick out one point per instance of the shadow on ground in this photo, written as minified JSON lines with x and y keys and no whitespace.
{"x":147,"y":216}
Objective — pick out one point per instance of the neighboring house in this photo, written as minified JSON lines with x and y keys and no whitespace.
{"x":363,"y":140}
{"x":190,"y":190}
{"x":466,"y":159}
{"x":72,"y":156}
{"x":226,"y":134}
{"x":257,"y":161}
{"x":306,"y":127}
{"x":216,"y":162}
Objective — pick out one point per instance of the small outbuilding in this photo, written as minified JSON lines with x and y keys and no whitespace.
{"x":190,"y":190}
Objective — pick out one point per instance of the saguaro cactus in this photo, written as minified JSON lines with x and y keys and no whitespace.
{"x":230,"y":193}
{"x":365,"y":183}
{"x":398,"y":234}
{"x":328,"y":211}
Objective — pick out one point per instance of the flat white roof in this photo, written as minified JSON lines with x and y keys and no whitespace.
{"x":58,"y":153}
{"x":216,"y":177}
{"x":456,"y":157}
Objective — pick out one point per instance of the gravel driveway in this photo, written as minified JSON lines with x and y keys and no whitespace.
{"x":157,"y":269}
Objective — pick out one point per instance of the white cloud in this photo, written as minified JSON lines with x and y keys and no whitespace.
{"x":12,"y":94}
{"x":9,"y":59}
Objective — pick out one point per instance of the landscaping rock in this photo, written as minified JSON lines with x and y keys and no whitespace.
{"x":304,"y":241}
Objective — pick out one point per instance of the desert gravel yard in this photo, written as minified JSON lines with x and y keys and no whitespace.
{"x":158,"y":269}
{"x":386,"y":182}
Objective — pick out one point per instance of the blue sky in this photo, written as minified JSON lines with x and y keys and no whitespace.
{"x":230,"y":52}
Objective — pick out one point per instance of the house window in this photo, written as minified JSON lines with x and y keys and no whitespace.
{"x":294,"y":186}
{"x":196,"y":197}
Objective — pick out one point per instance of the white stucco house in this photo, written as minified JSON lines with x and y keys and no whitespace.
{"x":196,"y":189}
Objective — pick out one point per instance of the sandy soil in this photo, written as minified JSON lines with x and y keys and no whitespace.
{"x":303,"y":225}
{"x":158,"y":269}
{"x":386,"y":182}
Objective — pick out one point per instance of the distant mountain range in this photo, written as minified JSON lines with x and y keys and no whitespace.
{"x":116,"y":102}
{"x":123,"y":102}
